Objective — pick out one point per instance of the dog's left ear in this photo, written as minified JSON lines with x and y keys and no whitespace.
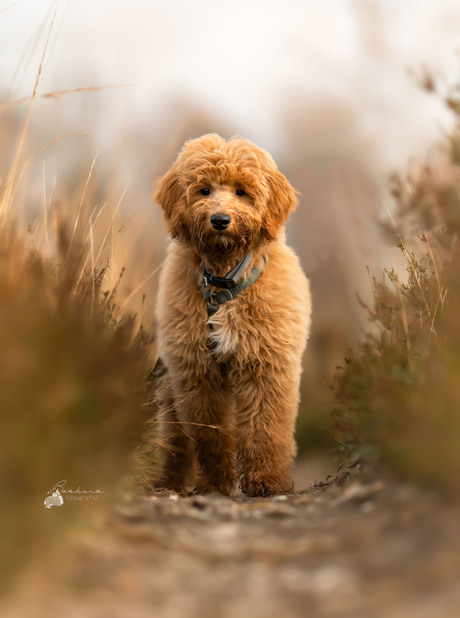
{"x":282,"y":201}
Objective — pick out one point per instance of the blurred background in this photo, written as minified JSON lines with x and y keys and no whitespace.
{"x":330,"y":89}
{"x":96,"y":99}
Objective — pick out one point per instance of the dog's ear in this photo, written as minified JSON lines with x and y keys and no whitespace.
{"x":170,"y":195}
{"x":282,"y":201}
{"x":169,"y":191}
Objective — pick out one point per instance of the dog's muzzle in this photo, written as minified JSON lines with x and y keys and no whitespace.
{"x":220,"y":221}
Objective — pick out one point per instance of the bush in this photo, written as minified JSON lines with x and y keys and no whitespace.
{"x":400,"y":395}
{"x":72,"y":390}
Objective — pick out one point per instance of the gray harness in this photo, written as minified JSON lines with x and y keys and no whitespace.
{"x":232,"y":284}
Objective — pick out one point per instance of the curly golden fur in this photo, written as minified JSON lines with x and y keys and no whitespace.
{"x":229,"y":399}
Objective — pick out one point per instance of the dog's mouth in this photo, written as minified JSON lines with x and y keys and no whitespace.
{"x":218,"y":242}
{"x":226,"y":235}
{"x":220,"y":234}
{"x":222,"y":238}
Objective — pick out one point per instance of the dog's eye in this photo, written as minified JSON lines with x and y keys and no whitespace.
{"x":240,"y":192}
{"x":205,"y":191}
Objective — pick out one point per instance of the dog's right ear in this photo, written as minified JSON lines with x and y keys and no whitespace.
{"x":169,"y":191}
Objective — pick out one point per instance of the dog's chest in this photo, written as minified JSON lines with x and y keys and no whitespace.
{"x":225,"y":331}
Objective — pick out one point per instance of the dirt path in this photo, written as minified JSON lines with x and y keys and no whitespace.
{"x":364,"y":549}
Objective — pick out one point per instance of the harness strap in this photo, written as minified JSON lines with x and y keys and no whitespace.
{"x":231,"y":278}
{"x":214,"y":301}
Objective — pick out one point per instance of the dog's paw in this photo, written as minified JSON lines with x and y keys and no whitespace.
{"x":264,"y":488}
{"x":203,"y":489}
{"x":167,"y":483}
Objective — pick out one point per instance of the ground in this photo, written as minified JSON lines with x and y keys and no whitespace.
{"x":350,"y":546}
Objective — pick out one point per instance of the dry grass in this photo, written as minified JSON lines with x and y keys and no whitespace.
{"x":74,"y":359}
{"x":400,"y":395}
{"x":72,"y":382}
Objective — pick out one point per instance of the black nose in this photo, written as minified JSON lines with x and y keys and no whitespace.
{"x":220,"y":221}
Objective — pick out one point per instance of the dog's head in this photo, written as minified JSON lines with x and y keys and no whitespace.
{"x":224,"y":196}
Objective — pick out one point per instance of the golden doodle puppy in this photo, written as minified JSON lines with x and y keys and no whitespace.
{"x":233,"y":320}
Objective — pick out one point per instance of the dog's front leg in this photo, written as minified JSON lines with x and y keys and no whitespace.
{"x":206,"y":408}
{"x":174,"y":448}
{"x":267,"y":402}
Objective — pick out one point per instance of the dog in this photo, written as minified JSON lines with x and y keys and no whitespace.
{"x":233,"y":315}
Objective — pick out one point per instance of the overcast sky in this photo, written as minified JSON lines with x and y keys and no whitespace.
{"x":246,"y":59}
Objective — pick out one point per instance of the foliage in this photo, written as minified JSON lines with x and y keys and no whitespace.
{"x":72,"y":389}
{"x":400,"y":395}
